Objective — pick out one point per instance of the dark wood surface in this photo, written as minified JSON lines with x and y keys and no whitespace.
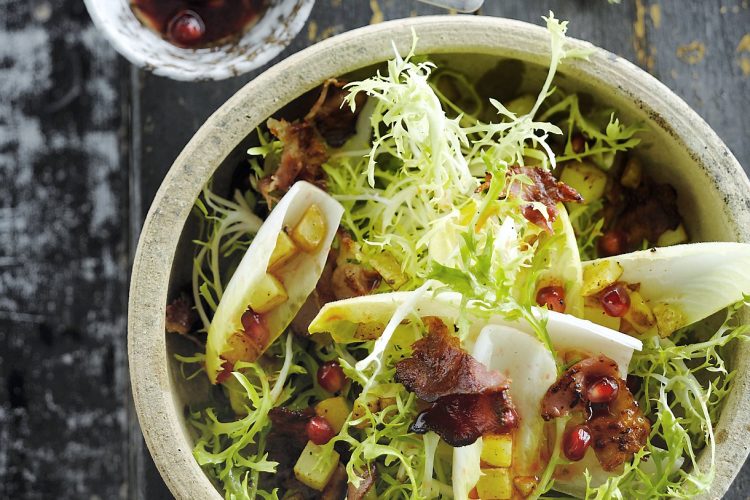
{"x":85,"y":140}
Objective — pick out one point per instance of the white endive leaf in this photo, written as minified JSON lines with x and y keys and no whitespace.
{"x":565,"y":263}
{"x":531,"y":370}
{"x":696,"y":279}
{"x":299,"y":276}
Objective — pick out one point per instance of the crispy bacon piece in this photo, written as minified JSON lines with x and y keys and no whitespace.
{"x":180,"y":316}
{"x":367,"y":481}
{"x":291,"y":424}
{"x":545,"y":189}
{"x":335,"y":121}
{"x":460,"y":419}
{"x":468,"y":400}
{"x":303,"y":154}
{"x":350,"y":278}
{"x":439,"y":367}
{"x":649,"y":210}
{"x":618,"y":429}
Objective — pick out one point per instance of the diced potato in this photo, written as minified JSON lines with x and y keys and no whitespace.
{"x":639,"y":314}
{"x":267,"y":294}
{"x":668,"y":319}
{"x":369,"y":331}
{"x":599,"y":275}
{"x":674,"y":236}
{"x":597,"y":315}
{"x":241,"y":347}
{"x":359,"y":410}
{"x":284,"y":250}
{"x":521,"y":105}
{"x":631,"y":174}
{"x":497,"y":450}
{"x":585,"y":178}
{"x":315,"y":466}
{"x":389,"y":269}
{"x":335,"y":410}
{"x":495,"y":484}
{"x":377,"y":399}
{"x":310,"y":230}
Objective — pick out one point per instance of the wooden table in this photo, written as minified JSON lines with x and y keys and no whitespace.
{"x":85,"y":140}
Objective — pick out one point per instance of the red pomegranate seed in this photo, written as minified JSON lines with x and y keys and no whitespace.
{"x":576,"y":442}
{"x":551,"y":297}
{"x":612,"y":243}
{"x":474,"y":494}
{"x":331,"y":377}
{"x":255,"y":326}
{"x":226,"y":371}
{"x":603,"y":390}
{"x":186,"y":28}
{"x":319,"y":431}
{"x":615,"y":300}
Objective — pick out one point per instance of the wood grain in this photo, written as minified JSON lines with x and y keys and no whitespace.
{"x":84,"y":143}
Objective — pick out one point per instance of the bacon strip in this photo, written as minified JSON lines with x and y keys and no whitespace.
{"x":468,"y":400}
{"x":335,"y":121}
{"x":439,"y":367}
{"x":180,"y":316}
{"x":303,"y":154}
{"x":545,"y":189}
{"x":291,"y":424}
{"x":618,"y":429}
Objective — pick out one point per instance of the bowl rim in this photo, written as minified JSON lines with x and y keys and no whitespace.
{"x":202,"y":71}
{"x":158,"y":414}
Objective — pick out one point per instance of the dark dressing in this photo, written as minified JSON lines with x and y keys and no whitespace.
{"x":198,"y":23}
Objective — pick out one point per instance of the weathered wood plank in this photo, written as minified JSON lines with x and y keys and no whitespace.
{"x":63,"y":256}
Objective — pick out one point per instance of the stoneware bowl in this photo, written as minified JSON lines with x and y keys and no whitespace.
{"x":143,"y":47}
{"x":713,"y":190}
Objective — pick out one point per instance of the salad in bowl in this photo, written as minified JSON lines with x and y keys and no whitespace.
{"x":416,"y":290}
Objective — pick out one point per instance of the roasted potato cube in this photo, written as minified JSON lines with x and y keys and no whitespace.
{"x":310,"y":230}
{"x":525,"y":484}
{"x":639,"y":314}
{"x":241,"y":347}
{"x":596,"y":314}
{"x":585,"y":178}
{"x":284,"y":250}
{"x":495,"y":484}
{"x":267,"y":294}
{"x":315,"y":466}
{"x":672,"y":237}
{"x":369,"y":331}
{"x":668,"y":319}
{"x":599,"y":275}
{"x":631,"y":174}
{"x":335,"y":410}
{"x":359,"y":410}
{"x":497,"y":450}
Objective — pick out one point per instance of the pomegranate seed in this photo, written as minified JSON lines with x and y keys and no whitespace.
{"x":551,"y":297}
{"x":615,"y":300}
{"x":226,"y":371}
{"x":186,"y":28}
{"x":331,"y":377}
{"x":319,"y":431}
{"x":577,"y":143}
{"x":603,"y":390}
{"x":474,"y":494}
{"x":612,"y":243}
{"x":255,"y":326}
{"x":576,"y":442}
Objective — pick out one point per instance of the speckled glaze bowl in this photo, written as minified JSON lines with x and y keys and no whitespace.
{"x":140,"y":45}
{"x":713,"y":190}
